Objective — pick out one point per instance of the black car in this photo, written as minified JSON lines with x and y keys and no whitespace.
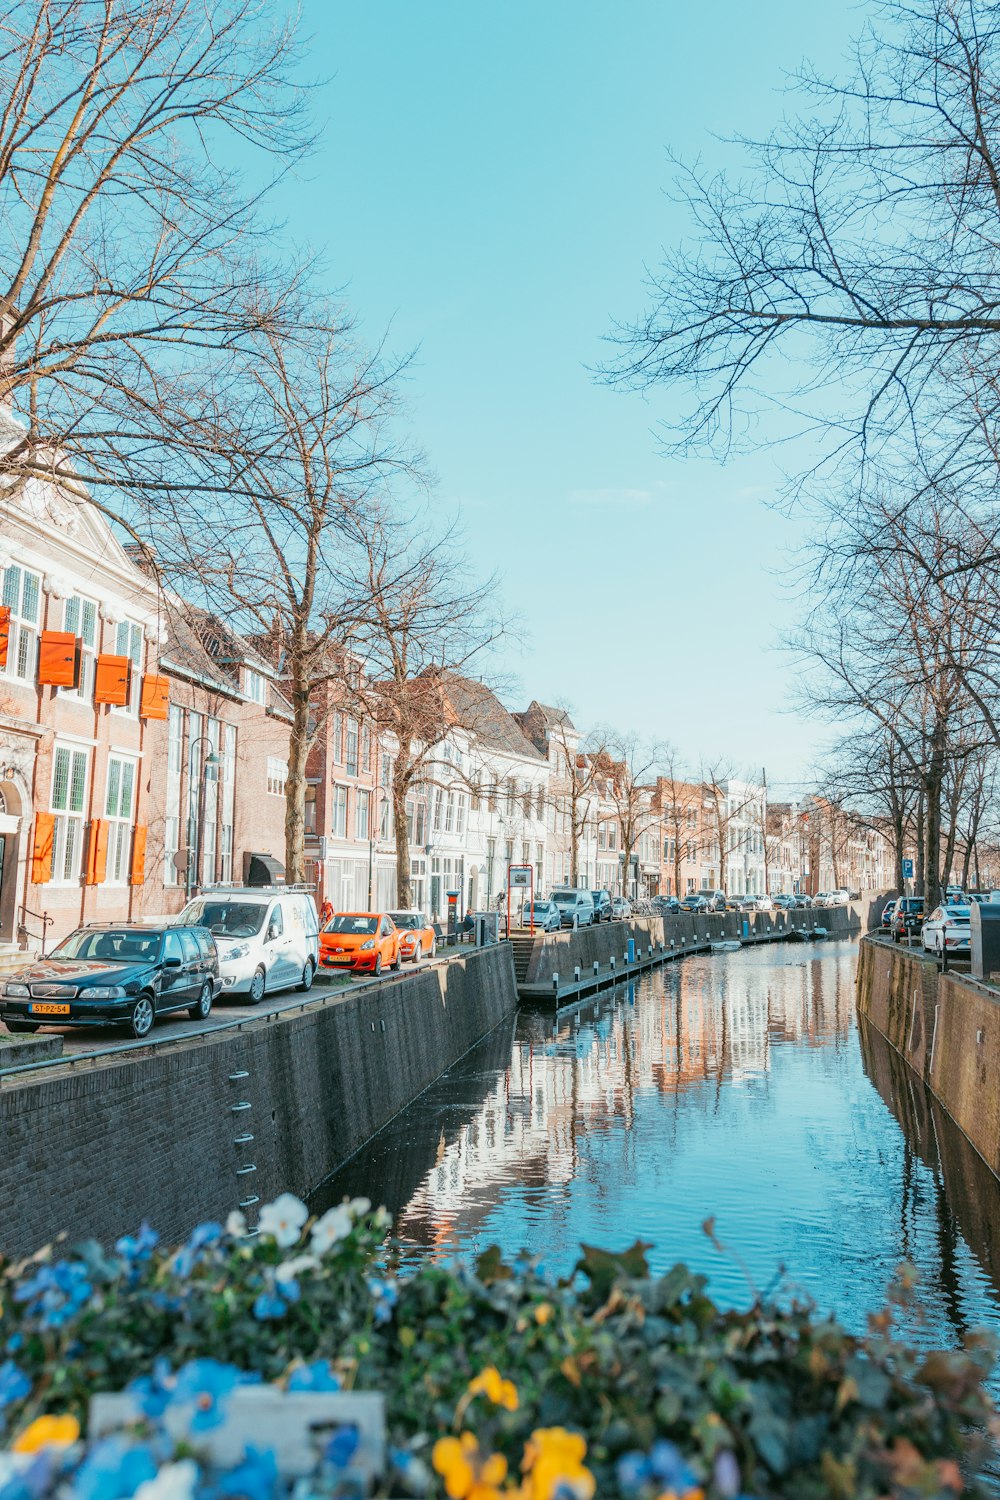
{"x":695,"y":901}
{"x":907,"y":917}
{"x":113,"y":972}
{"x":602,"y":905}
{"x":666,"y":906}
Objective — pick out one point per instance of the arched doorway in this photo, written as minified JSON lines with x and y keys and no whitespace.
{"x":11,"y":807}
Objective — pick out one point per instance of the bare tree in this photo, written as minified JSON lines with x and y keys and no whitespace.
{"x":732,"y":815}
{"x":679,"y":808}
{"x":628,"y":768}
{"x":575,"y":791}
{"x":130,"y":245}
{"x":424,"y":621}
{"x":305,"y":437}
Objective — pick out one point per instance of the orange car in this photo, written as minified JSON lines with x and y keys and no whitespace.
{"x":366,"y":942}
{"x":417,"y":936}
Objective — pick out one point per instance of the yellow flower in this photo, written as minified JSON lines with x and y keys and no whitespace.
{"x":468,"y":1474}
{"x":48,"y":1432}
{"x":543,"y":1313}
{"x":553,"y":1460}
{"x":492,"y":1385}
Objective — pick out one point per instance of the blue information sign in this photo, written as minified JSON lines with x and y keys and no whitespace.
{"x":907,"y":869}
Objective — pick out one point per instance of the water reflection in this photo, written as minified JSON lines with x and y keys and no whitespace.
{"x":730,"y":1085}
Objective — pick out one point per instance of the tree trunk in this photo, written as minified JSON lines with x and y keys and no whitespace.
{"x":574,"y":844}
{"x":918,"y":882}
{"x":400,"y":788}
{"x":295,"y":789}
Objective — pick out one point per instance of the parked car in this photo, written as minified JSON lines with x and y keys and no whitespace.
{"x":784,"y":901}
{"x":620,"y":908}
{"x":762,"y":903}
{"x":366,"y":942}
{"x":839,"y":897}
{"x":113,"y":972}
{"x":948,"y":928}
{"x":544,"y":914}
{"x":602,"y":905}
{"x":267,"y":937}
{"x":694,"y":901}
{"x":981,"y":898}
{"x":885,"y":923}
{"x":417,"y":938}
{"x":576,"y":908}
{"x":715,"y":900}
{"x":908,"y":917}
{"x":666,"y":906}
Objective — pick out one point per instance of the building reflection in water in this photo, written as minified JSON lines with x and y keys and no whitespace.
{"x":729,"y":1085}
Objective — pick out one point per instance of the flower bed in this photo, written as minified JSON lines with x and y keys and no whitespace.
{"x":496,"y":1381}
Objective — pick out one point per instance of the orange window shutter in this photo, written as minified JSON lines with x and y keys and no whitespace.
{"x":57,"y":658}
{"x":41,"y":848}
{"x":138,"y":874}
{"x":97,"y":852}
{"x":4,"y":634}
{"x":111,"y":680}
{"x":155,"y":697}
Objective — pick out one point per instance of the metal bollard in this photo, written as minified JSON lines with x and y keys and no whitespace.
{"x":611,"y":961}
{"x":555,"y":983}
{"x":576,"y":974}
{"x":597,"y":968}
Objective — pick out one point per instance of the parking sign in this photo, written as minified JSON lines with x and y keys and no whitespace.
{"x":907,"y":869}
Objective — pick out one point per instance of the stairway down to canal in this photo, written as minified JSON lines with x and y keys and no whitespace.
{"x":734,"y":1086}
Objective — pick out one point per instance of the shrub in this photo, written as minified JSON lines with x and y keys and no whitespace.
{"x":494,"y":1377}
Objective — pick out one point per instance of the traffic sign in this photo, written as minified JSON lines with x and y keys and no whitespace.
{"x":907,"y":869}
{"x":520,"y":876}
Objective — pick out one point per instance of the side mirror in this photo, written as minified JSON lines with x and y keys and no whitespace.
{"x":171,"y":963}
{"x":272,"y":933}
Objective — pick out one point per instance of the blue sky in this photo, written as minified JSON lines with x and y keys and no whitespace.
{"x":490,"y":181}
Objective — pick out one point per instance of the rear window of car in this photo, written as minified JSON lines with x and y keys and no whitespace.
{"x":910,"y":903}
{"x":205,"y":941}
{"x":407,"y":920}
{"x":189,"y":946}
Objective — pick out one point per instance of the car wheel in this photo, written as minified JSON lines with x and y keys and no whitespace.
{"x":257,"y":985}
{"x":142,"y":1017}
{"x":22,"y":1026}
{"x":308,"y":972}
{"x":203,"y":1009}
{"x":378,"y":964}
{"x":397,"y":962}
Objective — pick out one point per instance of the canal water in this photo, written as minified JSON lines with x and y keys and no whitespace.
{"x":739,"y":1087}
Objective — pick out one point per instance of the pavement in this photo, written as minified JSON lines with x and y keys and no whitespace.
{"x":78,"y":1041}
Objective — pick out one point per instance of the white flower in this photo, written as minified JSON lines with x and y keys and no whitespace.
{"x":333,"y":1226}
{"x":383,"y":1218}
{"x":358,"y":1207}
{"x":289,"y":1269}
{"x":236,"y":1225}
{"x":283,"y":1219}
{"x":173,"y":1482}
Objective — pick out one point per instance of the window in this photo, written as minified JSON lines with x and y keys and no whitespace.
{"x":171,"y":820}
{"x":366,"y":748}
{"x":118,"y":809}
{"x":511,"y":795}
{"x":362,"y":803}
{"x":228,"y":794}
{"x":255,"y":685}
{"x":172,"y":946}
{"x":449,"y":813}
{"x":383,"y":831}
{"x":69,"y":786}
{"x":540,"y":805}
{"x":277,"y":775}
{"x":338,"y":820}
{"x":460,"y":815}
{"x":128,"y":642}
{"x":352,"y":747}
{"x":189,"y":947}
{"x":338,"y":739}
{"x":436,"y":819}
{"x":80,"y":619}
{"x":386,"y":777}
{"x":310,"y":810}
{"x":22,"y":592}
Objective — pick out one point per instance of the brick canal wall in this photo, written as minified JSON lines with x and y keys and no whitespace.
{"x":947,"y":1027}
{"x":560,"y":952}
{"x":96,"y":1148}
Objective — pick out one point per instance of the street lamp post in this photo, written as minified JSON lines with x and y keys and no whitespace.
{"x":211,"y":759}
{"x":383,"y":804}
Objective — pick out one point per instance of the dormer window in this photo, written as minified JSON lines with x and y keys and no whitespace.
{"x":255,"y":686}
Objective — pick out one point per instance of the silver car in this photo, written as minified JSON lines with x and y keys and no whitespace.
{"x":268,"y":939}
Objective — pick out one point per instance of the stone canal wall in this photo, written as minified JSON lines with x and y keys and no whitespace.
{"x":560,"y":952}
{"x":95,"y":1148}
{"x":947,"y":1027}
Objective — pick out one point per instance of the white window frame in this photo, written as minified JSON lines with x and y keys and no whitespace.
{"x":255,"y":686}
{"x":134,"y":644}
{"x":277,"y":775}
{"x":120,"y":818}
{"x":67,"y":834}
{"x":362,"y":814}
{"x":23,"y":638}
{"x":84,"y":690}
{"x":338,"y":812}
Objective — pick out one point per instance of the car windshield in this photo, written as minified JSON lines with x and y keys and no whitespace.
{"x":119,"y":947}
{"x":232,"y":919}
{"x":352,"y":926}
{"x":960,"y":913}
{"x":403,"y":919}
{"x":564,"y":898}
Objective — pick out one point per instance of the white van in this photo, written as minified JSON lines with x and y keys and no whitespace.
{"x":268,"y":938}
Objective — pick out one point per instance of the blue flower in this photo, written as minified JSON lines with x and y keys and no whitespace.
{"x":268,"y":1306}
{"x":113,"y":1470}
{"x":138,"y":1247}
{"x":254,"y":1479}
{"x":14,"y":1384}
{"x":33,"y":1482}
{"x":206,"y":1382}
{"x":155,"y":1391}
{"x":318,"y":1376}
{"x":14,"y":1342}
{"x":670,"y":1468}
{"x":202,"y":1238}
{"x":342,"y":1446}
{"x":634,"y":1471}
{"x":385,"y":1295}
{"x":55,"y":1293}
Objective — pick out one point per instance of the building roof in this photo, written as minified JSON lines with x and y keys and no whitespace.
{"x":477,"y":709}
{"x":203,"y":646}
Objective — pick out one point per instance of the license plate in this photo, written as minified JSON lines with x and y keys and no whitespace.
{"x":37,"y":1009}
